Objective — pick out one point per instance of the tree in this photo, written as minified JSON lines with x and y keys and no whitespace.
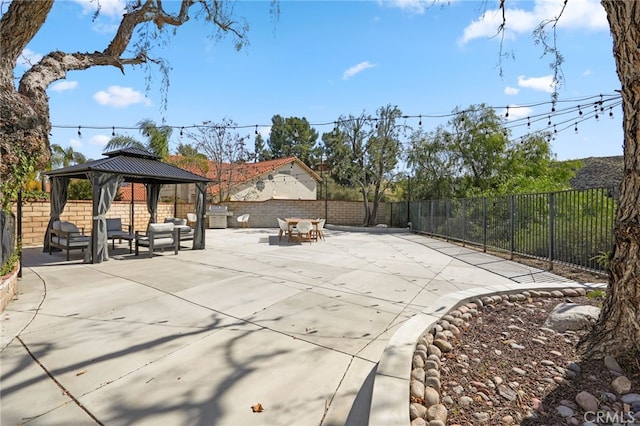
{"x":223,"y":145}
{"x":260,"y":150}
{"x":364,"y":152}
{"x":61,"y":157}
{"x":473,"y":157}
{"x":531,"y":167}
{"x":431,"y":165}
{"x":190,"y":158}
{"x":157,"y":139}
{"x":24,"y":111}
{"x":617,"y":331}
{"x":478,"y":146}
{"x":293,"y":136}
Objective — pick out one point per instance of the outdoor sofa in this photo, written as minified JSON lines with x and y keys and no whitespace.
{"x":67,"y":236}
{"x":186,"y":232}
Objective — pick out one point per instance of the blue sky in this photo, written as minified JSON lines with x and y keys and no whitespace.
{"x":324,"y":59}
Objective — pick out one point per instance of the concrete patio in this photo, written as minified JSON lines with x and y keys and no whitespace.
{"x":198,"y":338}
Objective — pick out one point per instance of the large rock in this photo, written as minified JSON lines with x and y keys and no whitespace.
{"x":571,"y":316}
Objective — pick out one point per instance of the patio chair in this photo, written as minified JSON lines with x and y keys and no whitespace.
{"x":304,"y":228}
{"x":318,"y":234}
{"x":284,"y":229}
{"x":243,"y":220}
{"x":186,"y":232}
{"x":159,"y":236}
{"x":191,"y":219}
{"x":115,"y":232}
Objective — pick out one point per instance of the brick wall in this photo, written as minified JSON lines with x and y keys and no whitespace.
{"x":263,"y":214}
{"x":35,"y":217}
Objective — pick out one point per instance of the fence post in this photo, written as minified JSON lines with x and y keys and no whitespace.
{"x":484,"y":224}
{"x":464,"y":221}
{"x":552,"y":214}
{"x":512,"y":231}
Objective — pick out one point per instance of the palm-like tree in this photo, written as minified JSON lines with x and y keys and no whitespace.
{"x":157,"y":139}
{"x":61,"y":157}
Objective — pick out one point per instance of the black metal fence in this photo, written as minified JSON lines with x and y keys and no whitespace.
{"x":569,"y":227}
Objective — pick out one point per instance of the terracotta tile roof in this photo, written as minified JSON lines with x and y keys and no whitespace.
{"x":139,"y":192}
{"x":245,"y":172}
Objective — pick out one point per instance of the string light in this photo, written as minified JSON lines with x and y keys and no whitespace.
{"x":113,"y":131}
{"x":555,"y":119}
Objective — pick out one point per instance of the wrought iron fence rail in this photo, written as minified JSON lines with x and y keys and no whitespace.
{"x":573,"y":228}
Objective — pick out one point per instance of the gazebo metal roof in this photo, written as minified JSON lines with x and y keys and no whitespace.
{"x":134,"y":165}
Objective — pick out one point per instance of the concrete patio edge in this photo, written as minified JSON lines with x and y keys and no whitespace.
{"x":390,"y":396}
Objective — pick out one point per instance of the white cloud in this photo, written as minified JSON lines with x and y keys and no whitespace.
{"x":511,"y":91}
{"x":578,"y":14}
{"x":75,"y":143}
{"x":100,"y":140}
{"x":120,"y":97}
{"x":356,"y":69}
{"x":28,"y":57}
{"x":110,"y":8}
{"x":516,"y":112}
{"x":63,"y":86}
{"x":412,"y":6}
{"x":544,"y":83}
{"x":587,"y":73}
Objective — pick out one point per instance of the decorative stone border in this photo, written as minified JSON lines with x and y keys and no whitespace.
{"x":410,"y":364}
{"x":8,"y":287}
{"x":425,"y":368}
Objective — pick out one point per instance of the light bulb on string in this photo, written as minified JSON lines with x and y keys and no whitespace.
{"x":549,"y":122}
{"x":506,"y":114}
{"x":420,"y":122}
{"x":528,"y":122}
{"x":113,"y":131}
{"x":579,"y":110}
{"x":79,"y":132}
{"x":181,"y":130}
{"x":256,"y":130}
{"x":611,"y":113}
{"x":576,"y":127}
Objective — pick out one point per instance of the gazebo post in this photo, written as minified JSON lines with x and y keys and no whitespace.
{"x":131,"y":215}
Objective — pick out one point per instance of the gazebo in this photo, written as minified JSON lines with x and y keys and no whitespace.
{"x":123,"y":165}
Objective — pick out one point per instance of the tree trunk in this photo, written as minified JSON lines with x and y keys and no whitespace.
{"x":24,"y":118}
{"x":617,"y":331}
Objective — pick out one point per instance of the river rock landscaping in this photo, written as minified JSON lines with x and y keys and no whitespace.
{"x":499,"y":360}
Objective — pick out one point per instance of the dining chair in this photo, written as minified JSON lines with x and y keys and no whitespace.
{"x":284,"y":229}
{"x":319,"y":229}
{"x":243,"y":220}
{"x":304,"y":228}
{"x":191,"y":219}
